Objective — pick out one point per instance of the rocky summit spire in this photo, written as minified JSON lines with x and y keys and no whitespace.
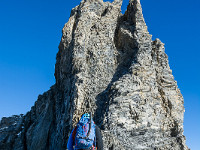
{"x":107,"y":64}
{"x":134,"y":14}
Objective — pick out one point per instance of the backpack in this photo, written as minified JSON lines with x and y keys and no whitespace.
{"x":85,"y":132}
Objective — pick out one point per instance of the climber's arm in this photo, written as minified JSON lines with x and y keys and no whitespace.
{"x":99,"y":140}
{"x":71,"y":139}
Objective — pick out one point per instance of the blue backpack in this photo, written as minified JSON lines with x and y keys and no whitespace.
{"x":85,"y":133}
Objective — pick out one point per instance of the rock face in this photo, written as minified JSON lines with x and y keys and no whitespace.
{"x":107,"y":64}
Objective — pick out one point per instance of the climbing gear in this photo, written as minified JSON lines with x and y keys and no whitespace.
{"x":85,"y":133}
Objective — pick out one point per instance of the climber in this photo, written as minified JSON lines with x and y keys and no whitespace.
{"x":86,"y":135}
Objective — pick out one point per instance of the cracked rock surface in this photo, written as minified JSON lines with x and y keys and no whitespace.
{"x":107,"y":64}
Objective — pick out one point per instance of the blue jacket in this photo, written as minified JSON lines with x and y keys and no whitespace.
{"x":99,"y":141}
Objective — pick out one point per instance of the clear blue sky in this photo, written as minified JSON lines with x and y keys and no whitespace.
{"x":30,"y":32}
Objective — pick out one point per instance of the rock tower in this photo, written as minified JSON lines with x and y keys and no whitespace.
{"x":107,"y":64}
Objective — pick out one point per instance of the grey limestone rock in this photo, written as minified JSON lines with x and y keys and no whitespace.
{"x":107,"y":64}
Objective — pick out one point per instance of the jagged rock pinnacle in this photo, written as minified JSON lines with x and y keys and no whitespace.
{"x":107,"y":64}
{"x":134,"y":13}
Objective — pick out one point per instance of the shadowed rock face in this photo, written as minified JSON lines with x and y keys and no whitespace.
{"x":107,"y":64}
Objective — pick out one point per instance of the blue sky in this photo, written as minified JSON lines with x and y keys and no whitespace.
{"x":30,"y":32}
